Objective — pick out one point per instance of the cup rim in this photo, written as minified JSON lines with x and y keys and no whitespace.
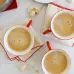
{"x":3,"y":3}
{"x":52,"y":26}
{"x":67,"y":56}
{"x":7,"y":47}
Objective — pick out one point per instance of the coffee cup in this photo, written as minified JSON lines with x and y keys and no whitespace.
{"x":56,"y":62}
{"x":62,"y":25}
{"x":18,"y":40}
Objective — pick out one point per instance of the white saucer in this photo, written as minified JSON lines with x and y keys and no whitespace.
{"x":44,"y":1}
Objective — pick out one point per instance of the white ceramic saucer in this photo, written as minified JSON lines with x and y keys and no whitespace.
{"x":44,"y":1}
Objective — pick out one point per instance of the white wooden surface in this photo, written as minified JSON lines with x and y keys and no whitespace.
{"x":6,"y":18}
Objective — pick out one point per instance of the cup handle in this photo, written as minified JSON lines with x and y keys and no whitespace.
{"x":47,"y":31}
{"x":29,"y":23}
{"x":48,"y":45}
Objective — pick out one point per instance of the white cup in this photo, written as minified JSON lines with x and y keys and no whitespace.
{"x":10,"y":49}
{"x":68,"y":61}
{"x":52,"y":25}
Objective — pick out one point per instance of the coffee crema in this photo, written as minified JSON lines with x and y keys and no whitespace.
{"x":2,"y":2}
{"x":64,"y":24}
{"x":19,"y":39}
{"x":55,"y":62}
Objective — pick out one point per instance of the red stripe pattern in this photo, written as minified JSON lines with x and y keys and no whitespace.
{"x":17,"y":57}
{"x":60,"y":6}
